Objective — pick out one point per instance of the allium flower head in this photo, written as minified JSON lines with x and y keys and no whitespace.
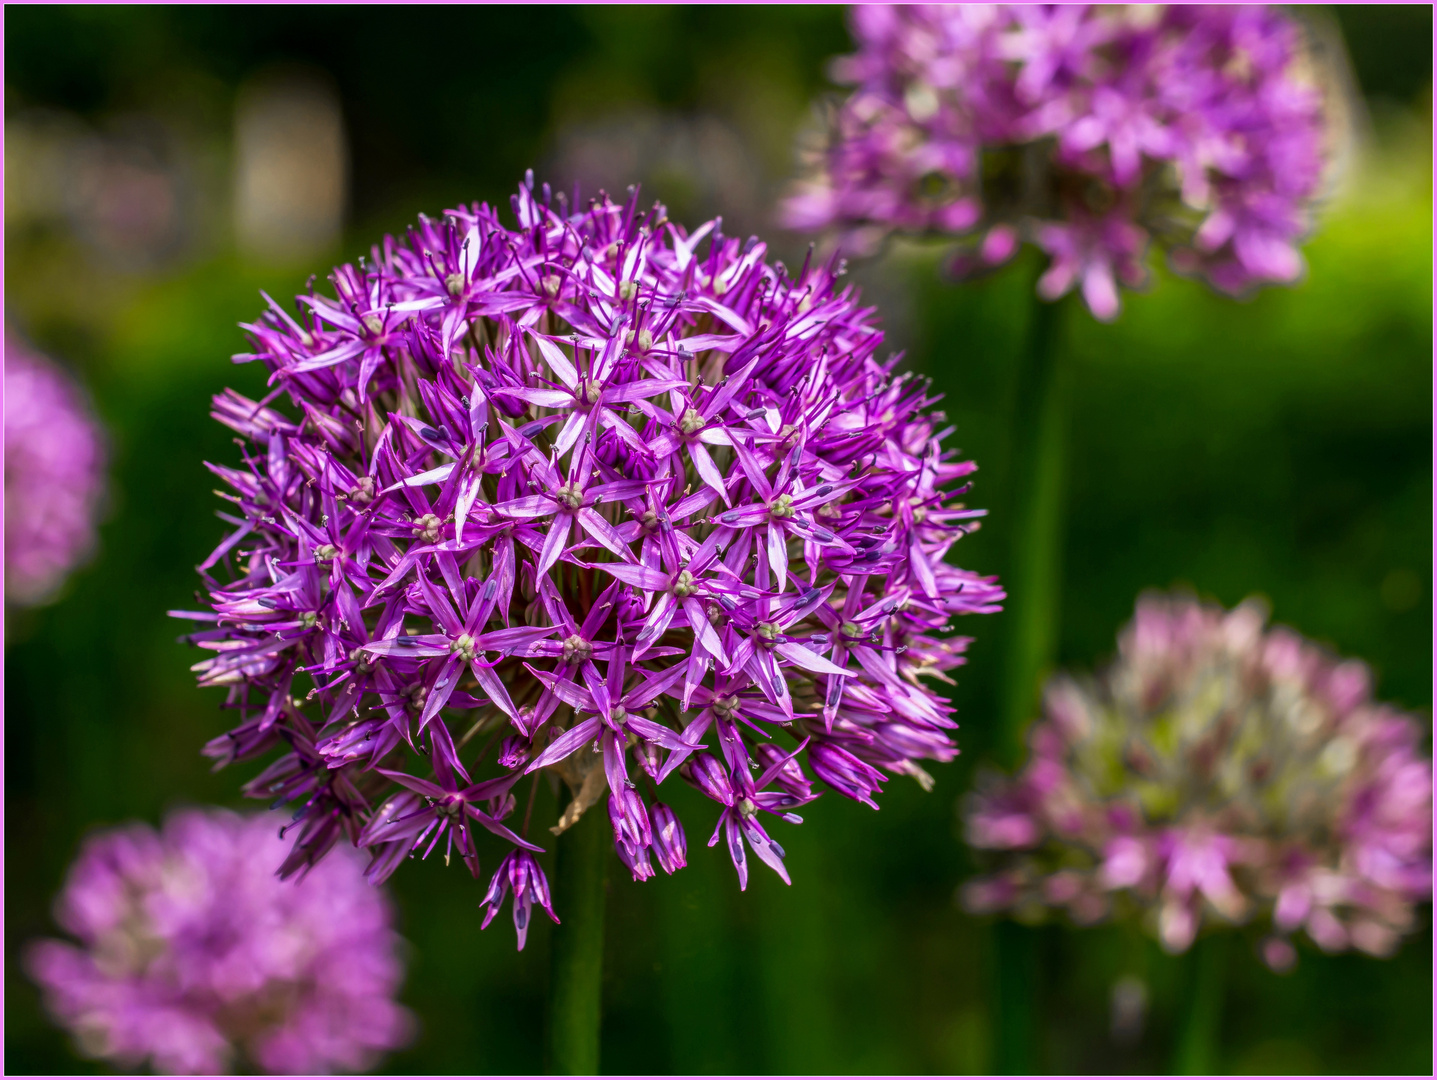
{"x":54,"y":476}
{"x":1090,"y":132}
{"x":191,"y":952}
{"x":1216,"y":774}
{"x":628,"y":498}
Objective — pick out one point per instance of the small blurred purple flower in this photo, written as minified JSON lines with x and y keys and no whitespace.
{"x":1090,"y":131}
{"x":192,"y":951}
{"x":604,"y":493}
{"x":1216,"y":773}
{"x":54,"y":476}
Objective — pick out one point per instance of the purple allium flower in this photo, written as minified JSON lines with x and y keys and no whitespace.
{"x":1216,"y":773}
{"x":54,"y":476}
{"x":1088,"y":131}
{"x":604,"y":489}
{"x":192,"y":951}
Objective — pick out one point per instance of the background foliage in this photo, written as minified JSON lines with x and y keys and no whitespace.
{"x":1280,"y":446}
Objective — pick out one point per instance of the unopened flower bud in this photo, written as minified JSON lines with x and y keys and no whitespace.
{"x":670,"y":846}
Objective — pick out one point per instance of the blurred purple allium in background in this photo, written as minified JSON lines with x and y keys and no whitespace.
{"x":1217,"y":773}
{"x":54,"y":475}
{"x":195,"y":958}
{"x":628,"y":498}
{"x":1090,"y":132}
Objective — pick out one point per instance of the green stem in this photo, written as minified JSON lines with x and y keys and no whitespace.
{"x":1197,"y":1045}
{"x":1033,"y":579}
{"x":1017,"y":971}
{"x":578,"y":946}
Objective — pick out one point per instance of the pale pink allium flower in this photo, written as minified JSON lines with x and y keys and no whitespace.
{"x":1215,"y":774}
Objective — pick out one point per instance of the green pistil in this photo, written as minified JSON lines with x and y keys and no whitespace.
{"x":465,"y":646}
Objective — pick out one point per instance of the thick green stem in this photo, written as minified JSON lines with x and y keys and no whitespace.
{"x":1032,"y":579}
{"x":1197,"y":1045}
{"x":1034,"y":573}
{"x":1017,"y":979}
{"x":578,"y":946}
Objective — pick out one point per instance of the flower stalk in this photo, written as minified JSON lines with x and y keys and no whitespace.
{"x":1016,"y":971}
{"x":1040,"y":425}
{"x":580,"y":881}
{"x":1197,"y":1044}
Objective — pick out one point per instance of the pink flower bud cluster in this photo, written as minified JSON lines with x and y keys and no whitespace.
{"x":1216,"y":774}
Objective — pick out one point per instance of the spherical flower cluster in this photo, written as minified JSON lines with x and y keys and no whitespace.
{"x":1217,"y":773}
{"x":192,"y":951}
{"x":594,"y":495}
{"x":1089,"y":132}
{"x":54,"y":476}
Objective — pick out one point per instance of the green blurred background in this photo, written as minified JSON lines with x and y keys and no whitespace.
{"x":1280,"y":446}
